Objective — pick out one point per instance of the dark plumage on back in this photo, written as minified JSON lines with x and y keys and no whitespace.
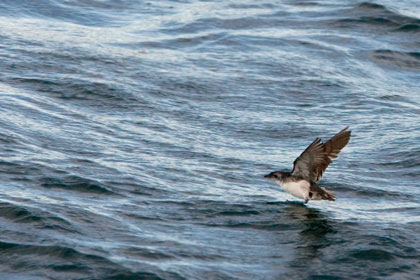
{"x":311,"y":164}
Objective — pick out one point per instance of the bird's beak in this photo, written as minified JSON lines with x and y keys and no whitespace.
{"x":267,"y":176}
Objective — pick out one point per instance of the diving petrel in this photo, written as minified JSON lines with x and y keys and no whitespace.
{"x":309,"y":166}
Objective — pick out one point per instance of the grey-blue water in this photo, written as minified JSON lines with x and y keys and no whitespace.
{"x":134,"y":137}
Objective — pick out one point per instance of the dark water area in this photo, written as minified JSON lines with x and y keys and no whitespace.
{"x":135,"y":136}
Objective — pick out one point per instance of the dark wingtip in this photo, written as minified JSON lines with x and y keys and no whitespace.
{"x":347,"y":128}
{"x":344,"y":131}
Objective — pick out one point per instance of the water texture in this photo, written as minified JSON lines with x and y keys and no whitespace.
{"x":134,"y":137}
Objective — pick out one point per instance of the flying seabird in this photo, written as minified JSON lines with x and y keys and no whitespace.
{"x":309,"y":167}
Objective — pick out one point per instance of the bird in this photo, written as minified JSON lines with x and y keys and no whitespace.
{"x":308,"y":168}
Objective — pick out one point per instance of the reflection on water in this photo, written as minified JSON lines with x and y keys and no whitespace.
{"x":313,"y":237}
{"x":316,"y":229}
{"x":133,"y":135}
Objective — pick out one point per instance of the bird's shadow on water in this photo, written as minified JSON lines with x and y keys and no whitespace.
{"x":315,"y":228}
{"x":315,"y":232}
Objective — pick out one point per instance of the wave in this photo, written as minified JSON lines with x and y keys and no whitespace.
{"x":61,"y":260}
{"x":409,"y":27}
{"x":376,"y":16}
{"x":38,"y":218}
{"x":396,"y":59}
{"x":75,"y":183}
{"x":49,"y":177}
{"x":77,"y":90}
{"x":91,"y":13}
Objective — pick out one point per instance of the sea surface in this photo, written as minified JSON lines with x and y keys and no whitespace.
{"x":134,"y":137}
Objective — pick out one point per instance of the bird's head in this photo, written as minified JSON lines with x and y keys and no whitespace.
{"x":276,"y":175}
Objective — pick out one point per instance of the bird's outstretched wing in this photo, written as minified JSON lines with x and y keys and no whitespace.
{"x":312,"y":163}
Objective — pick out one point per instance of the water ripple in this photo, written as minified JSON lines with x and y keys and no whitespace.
{"x":135,"y":136}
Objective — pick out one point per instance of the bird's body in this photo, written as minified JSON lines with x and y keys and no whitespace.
{"x":309,"y":167}
{"x":299,"y":189}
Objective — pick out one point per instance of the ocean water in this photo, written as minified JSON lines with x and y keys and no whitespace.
{"x":134,"y":136}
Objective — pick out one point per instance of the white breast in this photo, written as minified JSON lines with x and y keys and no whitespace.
{"x":299,"y":189}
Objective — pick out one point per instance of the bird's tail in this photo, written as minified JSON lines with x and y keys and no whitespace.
{"x":327,"y":195}
{"x":320,"y":193}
